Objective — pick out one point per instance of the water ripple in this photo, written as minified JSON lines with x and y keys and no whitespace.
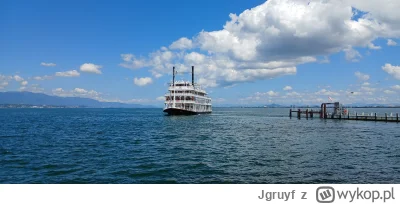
{"x":228,"y":146}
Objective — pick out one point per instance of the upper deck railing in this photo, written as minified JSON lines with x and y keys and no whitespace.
{"x":182,"y":85}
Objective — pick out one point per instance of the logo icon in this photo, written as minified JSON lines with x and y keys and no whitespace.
{"x":325,"y":194}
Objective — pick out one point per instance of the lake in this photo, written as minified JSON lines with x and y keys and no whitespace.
{"x":231,"y":145}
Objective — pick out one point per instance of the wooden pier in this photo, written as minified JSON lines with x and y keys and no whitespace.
{"x":339,"y":114}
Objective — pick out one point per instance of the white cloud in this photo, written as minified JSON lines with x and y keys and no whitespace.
{"x":293,"y":94}
{"x":48,"y":64}
{"x":72,"y":73}
{"x":327,"y":93}
{"x":366,"y":84}
{"x":17,"y":78}
{"x":272,"y":93}
{"x":3,"y":84}
{"x":372,"y":95}
{"x":41,"y":78}
{"x":361,"y":76}
{"x":194,"y":58}
{"x":287,"y":88}
{"x":78,"y":92}
{"x":5,"y":78}
{"x":90,"y":68}
{"x":35,"y":88}
{"x":389,"y":92}
{"x":160,"y":98}
{"x":352,"y":54}
{"x":271,"y":39}
{"x":182,"y":44}
{"x":4,"y":81}
{"x":391,"y":42}
{"x":368,"y":89}
{"x":142,"y":81}
{"x":373,"y":47}
{"x":269,"y":93}
{"x":392,"y":70}
{"x":396,"y":87}
{"x":131,"y":62}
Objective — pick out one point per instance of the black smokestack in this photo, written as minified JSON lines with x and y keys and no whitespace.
{"x":173,"y":76}
{"x":193,"y":75}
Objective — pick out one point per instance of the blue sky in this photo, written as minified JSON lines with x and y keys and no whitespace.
{"x":244,"y":52}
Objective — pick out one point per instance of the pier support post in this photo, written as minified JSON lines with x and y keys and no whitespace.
{"x":376,"y":117}
{"x":356,"y":116}
{"x":307,"y":113}
{"x":321,"y":113}
{"x":298,"y":113}
{"x":290,"y":113}
{"x":386,"y":117}
{"x":397,"y":117}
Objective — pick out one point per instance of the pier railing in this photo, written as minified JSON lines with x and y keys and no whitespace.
{"x":343,"y":115}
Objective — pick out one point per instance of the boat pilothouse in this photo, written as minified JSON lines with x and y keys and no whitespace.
{"x":185,"y":98}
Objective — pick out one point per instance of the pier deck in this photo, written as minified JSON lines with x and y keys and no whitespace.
{"x":339,"y":114}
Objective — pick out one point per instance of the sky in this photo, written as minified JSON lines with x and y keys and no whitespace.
{"x":249,"y":52}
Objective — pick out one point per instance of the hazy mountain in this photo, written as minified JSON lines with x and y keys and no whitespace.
{"x":43,"y":99}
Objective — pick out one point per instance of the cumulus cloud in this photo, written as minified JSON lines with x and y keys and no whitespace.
{"x":269,"y":93}
{"x":77,"y":92}
{"x":352,"y":55}
{"x":132,"y":62}
{"x":182,"y":44}
{"x":396,"y":87}
{"x":142,"y":81}
{"x":287,"y":88}
{"x":373,"y":47}
{"x":72,"y":73}
{"x":327,"y":93}
{"x":48,"y":64}
{"x":3,"y":84}
{"x":271,"y":39}
{"x":17,"y":78}
{"x":361,"y":76}
{"x":35,"y":88}
{"x":293,"y":94}
{"x":391,"y":42}
{"x":368,"y":89}
{"x":379,"y":95}
{"x":4,"y":81}
{"x":392,"y":70}
{"x":41,"y":78}
{"x":90,"y":68}
{"x":389,"y":92}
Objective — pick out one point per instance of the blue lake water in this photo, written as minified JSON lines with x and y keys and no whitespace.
{"x":231,"y":145}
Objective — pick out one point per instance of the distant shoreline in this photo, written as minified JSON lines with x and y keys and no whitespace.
{"x":28,"y":106}
{"x":20,"y":106}
{"x":310,"y":107}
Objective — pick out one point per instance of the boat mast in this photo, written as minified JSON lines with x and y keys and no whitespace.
{"x":173,"y":85}
{"x":193,"y":76}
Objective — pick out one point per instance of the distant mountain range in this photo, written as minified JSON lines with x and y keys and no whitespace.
{"x":354,"y":105}
{"x":43,"y":99}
